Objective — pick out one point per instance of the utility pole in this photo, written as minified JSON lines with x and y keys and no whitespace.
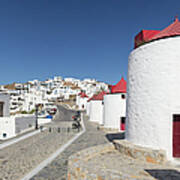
{"x":36,"y":114}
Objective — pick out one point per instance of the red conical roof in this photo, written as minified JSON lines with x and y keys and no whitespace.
{"x":99,"y":97}
{"x":144,"y":36}
{"x":83,"y":95}
{"x":149,"y":35}
{"x":171,"y":30}
{"x":89,"y":99}
{"x":120,"y":87}
{"x":92,"y":98}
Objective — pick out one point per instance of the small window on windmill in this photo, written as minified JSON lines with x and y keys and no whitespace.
{"x":123,"y":120}
{"x":123,"y":96}
{"x":4,"y":135}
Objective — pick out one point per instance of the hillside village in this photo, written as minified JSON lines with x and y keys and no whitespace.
{"x":24,"y":96}
{"x":84,"y":129}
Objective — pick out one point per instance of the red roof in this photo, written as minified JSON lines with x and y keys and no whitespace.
{"x":83,"y":95}
{"x":171,"y":30}
{"x":120,"y":87}
{"x":149,"y":35}
{"x":89,"y":99}
{"x":99,"y":97}
{"x":144,"y":36}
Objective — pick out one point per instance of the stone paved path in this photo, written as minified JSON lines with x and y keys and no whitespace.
{"x":57,"y":170}
{"x":113,"y":165}
{"x":20,"y":158}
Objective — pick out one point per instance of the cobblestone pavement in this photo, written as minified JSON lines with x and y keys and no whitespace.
{"x":20,"y":158}
{"x":57,"y":170}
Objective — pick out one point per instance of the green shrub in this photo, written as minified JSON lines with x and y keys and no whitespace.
{"x":32,"y":111}
{"x":24,"y":112}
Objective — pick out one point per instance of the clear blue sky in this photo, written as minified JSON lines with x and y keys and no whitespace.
{"x":79,"y":38}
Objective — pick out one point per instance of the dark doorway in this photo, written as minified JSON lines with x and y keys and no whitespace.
{"x":123,"y":121}
{"x":1,"y":108}
{"x":176,"y":135}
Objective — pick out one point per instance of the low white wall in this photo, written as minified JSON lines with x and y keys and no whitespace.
{"x":43,"y":120}
{"x":114,"y":109}
{"x":11,"y":126}
{"x":7,"y":127}
{"x":23,"y":122}
{"x":96,"y":111}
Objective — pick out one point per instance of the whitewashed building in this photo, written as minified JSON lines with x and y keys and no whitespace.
{"x":81,"y":100}
{"x":115,"y":106}
{"x":4,"y":105}
{"x":153,"y":107}
{"x":96,"y":108}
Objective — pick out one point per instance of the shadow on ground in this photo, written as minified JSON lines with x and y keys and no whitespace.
{"x":164,"y":174}
{"x":115,"y":136}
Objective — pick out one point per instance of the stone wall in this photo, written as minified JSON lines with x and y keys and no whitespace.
{"x":77,"y":169}
{"x":80,"y":166}
{"x":140,"y":153}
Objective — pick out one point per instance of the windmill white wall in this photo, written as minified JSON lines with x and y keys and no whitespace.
{"x":96,"y":111}
{"x":77,"y":100}
{"x":82,"y":102}
{"x":114,"y":109}
{"x":87,"y":108}
{"x":153,"y":93}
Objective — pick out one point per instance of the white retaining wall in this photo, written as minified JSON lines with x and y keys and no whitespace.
{"x":13,"y":125}
{"x":44,"y":120}
{"x":153,"y":93}
{"x":7,"y":127}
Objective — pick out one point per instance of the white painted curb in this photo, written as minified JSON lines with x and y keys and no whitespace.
{"x":44,"y":163}
{"x":13,"y":141}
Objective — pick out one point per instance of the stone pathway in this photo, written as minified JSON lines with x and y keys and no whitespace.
{"x":20,"y":158}
{"x":57,"y":170}
{"x":115,"y":165}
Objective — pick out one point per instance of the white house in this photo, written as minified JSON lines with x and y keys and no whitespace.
{"x":4,"y":105}
{"x":115,"y":106}
{"x":81,"y":100}
{"x":153,"y":106}
{"x":96,"y":108}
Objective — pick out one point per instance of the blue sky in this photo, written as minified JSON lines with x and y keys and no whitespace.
{"x":78,"y":38}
